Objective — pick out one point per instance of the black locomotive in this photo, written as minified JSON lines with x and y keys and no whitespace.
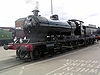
{"x":50,"y":36}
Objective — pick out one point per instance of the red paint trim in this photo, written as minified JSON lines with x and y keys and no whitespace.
{"x":97,"y":36}
{"x":14,"y":46}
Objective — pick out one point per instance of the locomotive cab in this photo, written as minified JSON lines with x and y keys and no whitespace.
{"x":80,"y":31}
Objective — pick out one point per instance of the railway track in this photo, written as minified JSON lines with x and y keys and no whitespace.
{"x":9,"y":64}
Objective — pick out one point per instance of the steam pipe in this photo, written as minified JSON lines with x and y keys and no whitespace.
{"x":51,"y":7}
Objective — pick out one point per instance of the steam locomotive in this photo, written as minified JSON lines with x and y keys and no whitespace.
{"x":44,"y":36}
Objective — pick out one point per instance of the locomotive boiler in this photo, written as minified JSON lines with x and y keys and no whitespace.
{"x":38,"y":28}
{"x":47,"y":37}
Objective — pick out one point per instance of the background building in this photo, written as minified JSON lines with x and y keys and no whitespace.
{"x":19,"y":23}
{"x":19,"y":28}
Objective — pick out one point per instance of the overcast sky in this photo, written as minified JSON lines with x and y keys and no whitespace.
{"x":86,"y":10}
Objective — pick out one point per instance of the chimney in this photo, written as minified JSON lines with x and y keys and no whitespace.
{"x":35,"y":12}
